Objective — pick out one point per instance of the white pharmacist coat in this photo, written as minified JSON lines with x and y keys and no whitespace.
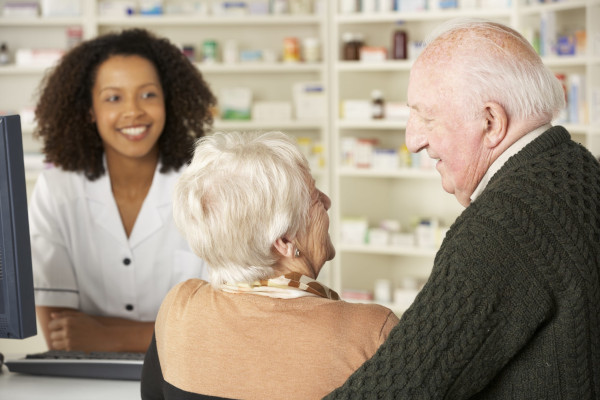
{"x":83,"y":259}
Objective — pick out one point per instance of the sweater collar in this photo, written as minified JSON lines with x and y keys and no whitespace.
{"x":503,"y":158}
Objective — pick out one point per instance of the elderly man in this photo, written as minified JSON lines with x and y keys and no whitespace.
{"x":512,"y":307}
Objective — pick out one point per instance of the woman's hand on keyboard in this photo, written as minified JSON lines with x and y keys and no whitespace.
{"x":74,"y":330}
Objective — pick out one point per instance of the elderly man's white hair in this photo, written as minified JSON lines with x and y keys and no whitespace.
{"x":240,"y":193}
{"x":498,"y":64}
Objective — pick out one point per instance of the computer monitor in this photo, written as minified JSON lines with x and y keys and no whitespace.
{"x":17,"y":306}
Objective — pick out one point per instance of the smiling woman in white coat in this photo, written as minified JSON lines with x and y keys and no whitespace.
{"x":118,"y":118}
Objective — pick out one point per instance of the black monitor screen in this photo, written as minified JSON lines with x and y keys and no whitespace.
{"x":17,"y":307}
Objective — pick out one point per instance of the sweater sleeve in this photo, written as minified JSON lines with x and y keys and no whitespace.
{"x":480,"y":306}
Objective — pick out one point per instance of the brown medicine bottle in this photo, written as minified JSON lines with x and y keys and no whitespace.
{"x":399,"y":45}
{"x":352,"y":44}
{"x":377,"y":105}
{"x":348,"y":47}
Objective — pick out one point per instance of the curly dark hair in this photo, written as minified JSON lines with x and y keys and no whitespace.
{"x":71,"y":139}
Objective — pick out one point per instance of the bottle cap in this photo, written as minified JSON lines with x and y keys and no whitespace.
{"x":347,"y":37}
{"x":376,"y":94}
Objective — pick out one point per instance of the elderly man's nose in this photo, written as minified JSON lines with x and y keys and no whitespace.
{"x":415,"y":140}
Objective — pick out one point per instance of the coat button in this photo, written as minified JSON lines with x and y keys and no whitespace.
{"x":126,"y":261}
{"x":129,"y":307}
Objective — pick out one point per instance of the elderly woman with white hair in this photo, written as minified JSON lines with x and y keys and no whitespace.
{"x":264,"y":328}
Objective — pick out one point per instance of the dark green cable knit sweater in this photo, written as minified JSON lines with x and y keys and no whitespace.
{"x":512,"y":307}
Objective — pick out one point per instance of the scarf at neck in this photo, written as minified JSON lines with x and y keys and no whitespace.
{"x":289,"y":286}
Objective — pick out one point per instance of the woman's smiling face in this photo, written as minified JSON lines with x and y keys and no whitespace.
{"x":128,"y":106}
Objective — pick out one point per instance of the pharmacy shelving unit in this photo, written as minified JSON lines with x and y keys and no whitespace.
{"x":401,"y":194}
{"x":267,"y":81}
{"x":19,"y":84}
{"x":569,"y":16}
{"x":407,"y":194}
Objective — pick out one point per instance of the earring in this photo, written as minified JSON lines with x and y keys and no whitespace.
{"x":297,"y":253}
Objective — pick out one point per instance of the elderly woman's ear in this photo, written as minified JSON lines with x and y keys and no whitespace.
{"x":284,"y":247}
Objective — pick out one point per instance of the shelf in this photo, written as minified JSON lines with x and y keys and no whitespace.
{"x":554,"y":6}
{"x":28,"y":22}
{"x":387,"y":250}
{"x":12,"y":69}
{"x":206,"y":20}
{"x":387,"y":65}
{"x":575,"y":128}
{"x":361,"y":183}
{"x":233,"y":125}
{"x":279,"y":68}
{"x":578,"y":129}
{"x":276,"y":125}
{"x":401,"y":173}
{"x":565,"y":61}
{"x":417,"y":16}
{"x":27,"y":128}
{"x":32,"y":176}
{"x":372,"y":124}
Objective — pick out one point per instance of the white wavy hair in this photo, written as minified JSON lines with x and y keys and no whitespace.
{"x":517,"y":80}
{"x":240,"y":193}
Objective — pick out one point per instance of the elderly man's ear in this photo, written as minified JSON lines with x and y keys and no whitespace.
{"x":495,"y":124}
{"x":285,"y":247}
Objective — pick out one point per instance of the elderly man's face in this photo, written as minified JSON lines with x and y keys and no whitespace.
{"x":436,"y":125}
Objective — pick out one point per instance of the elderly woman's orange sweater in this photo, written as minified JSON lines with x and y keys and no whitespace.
{"x":247,"y":346}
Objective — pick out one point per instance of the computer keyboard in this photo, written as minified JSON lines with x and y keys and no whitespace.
{"x":100,"y":365}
